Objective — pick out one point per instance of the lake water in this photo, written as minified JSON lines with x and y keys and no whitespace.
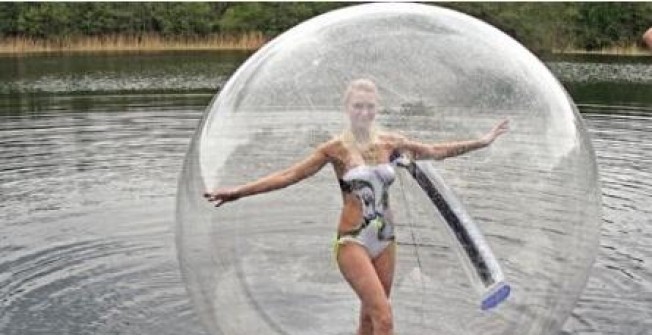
{"x":92,"y":145}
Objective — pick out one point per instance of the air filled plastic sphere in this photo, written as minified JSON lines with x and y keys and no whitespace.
{"x":264,"y":264}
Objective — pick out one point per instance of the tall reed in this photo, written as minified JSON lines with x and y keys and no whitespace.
{"x":144,"y":42}
{"x":632,"y":49}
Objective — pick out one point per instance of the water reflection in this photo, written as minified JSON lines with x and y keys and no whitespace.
{"x":116,"y":72}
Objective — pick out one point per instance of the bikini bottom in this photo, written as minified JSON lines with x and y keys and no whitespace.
{"x":374,"y":235}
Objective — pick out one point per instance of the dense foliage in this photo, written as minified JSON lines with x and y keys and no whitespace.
{"x":540,"y":26}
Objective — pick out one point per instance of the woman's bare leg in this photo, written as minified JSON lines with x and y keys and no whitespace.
{"x":360,"y":272}
{"x":384,"y":265}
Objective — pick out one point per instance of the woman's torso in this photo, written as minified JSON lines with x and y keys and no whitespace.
{"x":364,"y":180}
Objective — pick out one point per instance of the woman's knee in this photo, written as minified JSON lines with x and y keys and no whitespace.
{"x":382,"y":318}
{"x":384,"y":325}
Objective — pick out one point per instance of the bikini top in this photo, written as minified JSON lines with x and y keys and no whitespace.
{"x":370,"y":184}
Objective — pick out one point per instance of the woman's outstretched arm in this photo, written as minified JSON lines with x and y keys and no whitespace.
{"x":452,"y":149}
{"x":280,"y":179}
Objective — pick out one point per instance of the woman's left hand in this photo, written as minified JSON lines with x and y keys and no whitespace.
{"x":499,"y":129}
{"x":223,"y":195}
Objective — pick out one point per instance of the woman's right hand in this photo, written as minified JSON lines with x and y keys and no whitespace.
{"x":222,"y":195}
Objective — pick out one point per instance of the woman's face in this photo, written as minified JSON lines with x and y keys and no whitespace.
{"x":361,"y":108}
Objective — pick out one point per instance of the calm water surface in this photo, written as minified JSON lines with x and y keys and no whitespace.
{"x":92,"y":145}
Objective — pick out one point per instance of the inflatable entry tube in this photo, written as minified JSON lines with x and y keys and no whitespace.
{"x":480,"y":262}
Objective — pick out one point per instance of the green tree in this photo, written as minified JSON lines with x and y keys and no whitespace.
{"x":270,"y":18}
{"x":540,"y":26}
{"x":194,"y":18}
{"x":42,"y":20}
{"x":94,"y":18}
{"x":601,"y":25}
{"x":9,"y":12}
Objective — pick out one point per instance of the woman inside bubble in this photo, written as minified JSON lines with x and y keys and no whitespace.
{"x":361,"y":157}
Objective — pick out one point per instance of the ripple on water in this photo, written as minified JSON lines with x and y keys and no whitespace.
{"x":100,"y":271}
{"x":86,"y":199}
{"x":618,"y":296}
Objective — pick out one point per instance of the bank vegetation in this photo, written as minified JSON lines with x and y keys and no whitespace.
{"x":603,"y":27}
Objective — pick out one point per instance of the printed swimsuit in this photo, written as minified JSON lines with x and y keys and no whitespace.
{"x":370,"y":184}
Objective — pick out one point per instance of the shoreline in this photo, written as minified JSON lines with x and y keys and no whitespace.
{"x":633,"y":50}
{"x":252,"y":41}
{"x":141,"y":43}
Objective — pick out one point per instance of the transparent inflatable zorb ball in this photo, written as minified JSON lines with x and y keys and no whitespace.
{"x":264,"y":264}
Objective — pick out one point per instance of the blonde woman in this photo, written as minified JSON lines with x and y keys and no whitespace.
{"x":365,"y":233}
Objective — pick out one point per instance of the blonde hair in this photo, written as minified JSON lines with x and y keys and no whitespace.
{"x":360,"y":84}
{"x":370,"y":155}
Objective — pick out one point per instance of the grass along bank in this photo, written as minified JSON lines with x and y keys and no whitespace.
{"x":226,"y":42}
{"x":633,"y":49}
{"x":148,"y":42}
